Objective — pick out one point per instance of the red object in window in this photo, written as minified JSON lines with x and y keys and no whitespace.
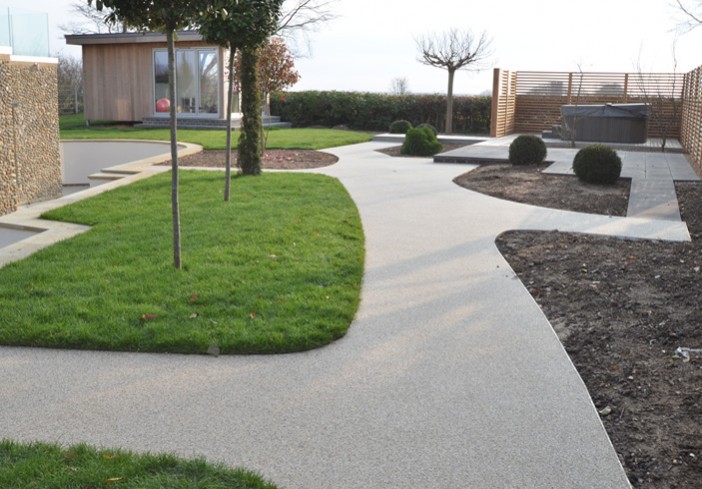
{"x":163,"y":105}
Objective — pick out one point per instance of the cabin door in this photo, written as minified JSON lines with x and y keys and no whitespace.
{"x":197,"y":82}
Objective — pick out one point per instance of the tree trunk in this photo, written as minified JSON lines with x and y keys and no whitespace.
{"x":228,"y":158}
{"x":449,"y":102}
{"x":249,"y":140}
{"x":174,"y":149}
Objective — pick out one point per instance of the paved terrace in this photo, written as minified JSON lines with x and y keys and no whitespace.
{"x":652,"y":173}
{"x":449,"y":377}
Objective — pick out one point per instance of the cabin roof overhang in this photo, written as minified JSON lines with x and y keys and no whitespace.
{"x":129,"y":38}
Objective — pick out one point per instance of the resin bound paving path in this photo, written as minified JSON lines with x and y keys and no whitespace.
{"x":450,"y":376}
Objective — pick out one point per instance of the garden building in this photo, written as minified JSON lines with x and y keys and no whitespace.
{"x":125,"y":77}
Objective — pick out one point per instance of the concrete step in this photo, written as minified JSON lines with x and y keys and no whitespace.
{"x":104,"y":177}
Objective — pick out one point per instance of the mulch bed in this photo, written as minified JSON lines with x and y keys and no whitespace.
{"x":273,"y":159}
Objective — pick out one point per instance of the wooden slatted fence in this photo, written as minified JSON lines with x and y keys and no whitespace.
{"x":691,"y":126}
{"x":530,"y":101}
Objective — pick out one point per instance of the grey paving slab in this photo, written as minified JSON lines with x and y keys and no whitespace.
{"x":680,"y":168}
{"x":653,"y":198}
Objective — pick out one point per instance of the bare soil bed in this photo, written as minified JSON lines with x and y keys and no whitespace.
{"x":621,"y":309}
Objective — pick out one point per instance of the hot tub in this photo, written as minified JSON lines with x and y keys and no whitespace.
{"x":607,"y":123}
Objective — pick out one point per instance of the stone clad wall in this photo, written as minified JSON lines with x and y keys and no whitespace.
{"x":30,"y":161}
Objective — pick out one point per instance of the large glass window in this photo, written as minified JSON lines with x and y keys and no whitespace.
{"x":197,"y":81}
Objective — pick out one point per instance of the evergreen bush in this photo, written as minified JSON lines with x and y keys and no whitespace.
{"x":527,"y":149}
{"x":420,"y":141}
{"x":432,"y":128}
{"x":400,"y":127}
{"x":597,"y":164}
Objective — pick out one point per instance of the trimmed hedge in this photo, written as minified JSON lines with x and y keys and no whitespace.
{"x":376,"y":111}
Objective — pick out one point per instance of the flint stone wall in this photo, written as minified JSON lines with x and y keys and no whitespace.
{"x":30,"y":161}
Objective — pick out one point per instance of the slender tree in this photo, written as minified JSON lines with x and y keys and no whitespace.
{"x":166,"y":16}
{"x":276,"y":69}
{"x":453,"y":50}
{"x":242,"y":25}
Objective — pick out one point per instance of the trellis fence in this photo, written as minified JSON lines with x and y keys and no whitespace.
{"x":691,"y":130}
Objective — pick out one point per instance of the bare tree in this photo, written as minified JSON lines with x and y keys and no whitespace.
{"x":93,"y":20}
{"x":453,"y":50}
{"x":399,"y":86}
{"x":70,"y":84}
{"x":664,"y":101}
{"x":301,"y":17}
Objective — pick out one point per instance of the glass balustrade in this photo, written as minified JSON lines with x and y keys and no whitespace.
{"x":26,"y":32}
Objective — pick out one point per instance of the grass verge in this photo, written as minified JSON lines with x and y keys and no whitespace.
{"x":73,"y":127}
{"x":51,"y":467}
{"x":276,"y":270}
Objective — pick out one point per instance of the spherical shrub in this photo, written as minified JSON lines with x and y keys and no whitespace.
{"x":527,"y":150}
{"x":420,"y":142}
{"x":433,"y":129}
{"x":400,"y":127}
{"x":597,"y":163}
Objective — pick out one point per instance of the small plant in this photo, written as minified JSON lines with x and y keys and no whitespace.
{"x":400,"y":127}
{"x":527,"y":150}
{"x":420,"y":141}
{"x":433,"y":129}
{"x":597,"y":164}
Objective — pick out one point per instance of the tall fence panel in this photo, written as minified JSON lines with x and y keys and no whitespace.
{"x":691,"y":126}
{"x":504,"y":89}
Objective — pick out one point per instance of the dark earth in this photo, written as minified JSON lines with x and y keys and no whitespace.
{"x":621,"y":309}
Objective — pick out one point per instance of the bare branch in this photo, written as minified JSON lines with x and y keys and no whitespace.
{"x":693,"y":19}
{"x":305,"y":14}
{"x":299,"y":18}
{"x":93,"y":21}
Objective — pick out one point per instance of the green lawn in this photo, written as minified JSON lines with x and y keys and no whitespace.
{"x":45,"y":466}
{"x":276,"y":270}
{"x":73,"y":127}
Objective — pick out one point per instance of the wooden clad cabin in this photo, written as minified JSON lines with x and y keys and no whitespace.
{"x":126,"y":74}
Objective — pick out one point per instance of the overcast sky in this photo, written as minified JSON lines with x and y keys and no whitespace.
{"x":372,"y":41}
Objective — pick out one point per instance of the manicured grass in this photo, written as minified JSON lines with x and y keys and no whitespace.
{"x":278,"y":269}
{"x":48,"y":466}
{"x":73,"y":127}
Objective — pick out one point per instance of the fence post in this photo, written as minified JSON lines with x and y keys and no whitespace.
{"x":495,"y":102}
